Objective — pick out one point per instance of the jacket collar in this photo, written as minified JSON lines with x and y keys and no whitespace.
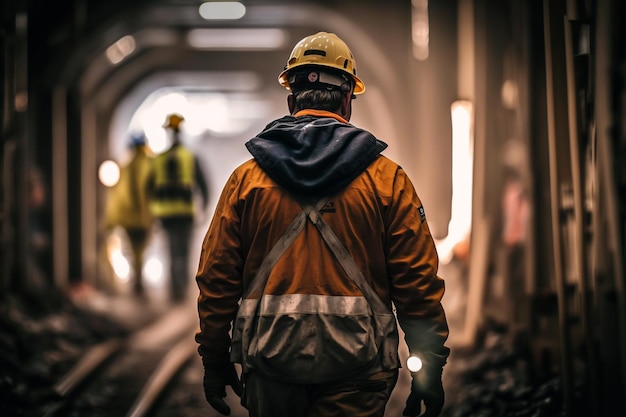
{"x":320,"y":113}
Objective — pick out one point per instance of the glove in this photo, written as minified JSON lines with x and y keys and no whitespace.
{"x":425,"y":339}
{"x":216,"y":377}
{"x":426,"y":386}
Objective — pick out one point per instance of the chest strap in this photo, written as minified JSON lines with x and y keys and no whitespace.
{"x":311,"y":211}
{"x":345,"y":259}
{"x":292,"y":232}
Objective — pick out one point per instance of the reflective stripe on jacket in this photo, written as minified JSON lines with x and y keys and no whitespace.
{"x":173,"y":183}
{"x":378,"y":217}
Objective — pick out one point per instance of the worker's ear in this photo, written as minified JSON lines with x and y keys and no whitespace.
{"x":291,"y":103}
{"x":346,"y":106}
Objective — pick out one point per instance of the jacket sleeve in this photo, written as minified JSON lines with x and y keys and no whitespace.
{"x":412,"y":263}
{"x":219,"y":277}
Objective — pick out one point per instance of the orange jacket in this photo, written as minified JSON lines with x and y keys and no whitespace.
{"x":378,"y":217}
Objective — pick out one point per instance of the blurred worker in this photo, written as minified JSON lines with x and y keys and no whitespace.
{"x":177,"y":174}
{"x":128,"y":204}
{"x":311,"y":242}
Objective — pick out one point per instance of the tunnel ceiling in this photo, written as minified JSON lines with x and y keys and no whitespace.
{"x":67,"y":34}
{"x":72,"y":35}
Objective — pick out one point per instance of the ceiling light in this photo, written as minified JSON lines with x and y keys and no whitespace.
{"x":222,"y":10}
{"x":117,"y":52}
{"x":225,"y":39}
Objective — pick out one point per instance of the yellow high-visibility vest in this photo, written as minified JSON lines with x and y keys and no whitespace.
{"x":128,"y":202}
{"x":173,"y":183}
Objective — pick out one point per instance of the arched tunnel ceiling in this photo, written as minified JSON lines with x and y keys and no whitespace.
{"x":76,"y":33}
{"x":168,"y":49}
{"x":161,"y":46}
{"x":70,"y":53}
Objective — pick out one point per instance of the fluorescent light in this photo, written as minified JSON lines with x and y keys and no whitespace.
{"x":236,"y":38}
{"x":117,"y":52}
{"x":420,"y":29}
{"x":222,"y":10}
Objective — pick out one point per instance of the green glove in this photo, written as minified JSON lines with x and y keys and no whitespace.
{"x":216,"y":377}
{"x":426,"y":386}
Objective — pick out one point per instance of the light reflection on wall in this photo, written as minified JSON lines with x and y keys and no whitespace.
{"x":460,"y":224}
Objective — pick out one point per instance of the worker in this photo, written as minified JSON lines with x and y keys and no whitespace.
{"x":178,"y":175}
{"x":128,"y":204}
{"x":312,"y":241}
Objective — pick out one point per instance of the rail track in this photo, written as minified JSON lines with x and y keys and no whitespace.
{"x":127,"y":377}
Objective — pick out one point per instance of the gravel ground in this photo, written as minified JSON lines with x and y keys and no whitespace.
{"x":39,"y":344}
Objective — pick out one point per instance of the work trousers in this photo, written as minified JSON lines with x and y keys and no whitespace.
{"x":366,"y":397}
{"x":138,"y":239}
{"x":178,"y":232}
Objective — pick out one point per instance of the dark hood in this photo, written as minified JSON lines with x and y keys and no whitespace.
{"x":314,"y":155}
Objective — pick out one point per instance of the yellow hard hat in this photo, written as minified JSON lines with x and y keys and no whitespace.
{"x":173,"y":121}
{"x":322,"y":49}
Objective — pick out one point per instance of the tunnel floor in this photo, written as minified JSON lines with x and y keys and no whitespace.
{"x":40,"y":341}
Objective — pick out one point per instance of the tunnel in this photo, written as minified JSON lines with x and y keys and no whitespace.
{"x":508,"y":116}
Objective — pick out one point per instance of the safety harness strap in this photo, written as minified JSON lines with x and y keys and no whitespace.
{"x":345,"y":259}
{"x":312,"y":211}
{"x":257,"y":337}
{"x":292,"y":232}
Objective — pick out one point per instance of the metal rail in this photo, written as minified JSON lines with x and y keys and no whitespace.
{"x":171,"y":365}
{"x":89,"y":363}
{"x":173,"y":329}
